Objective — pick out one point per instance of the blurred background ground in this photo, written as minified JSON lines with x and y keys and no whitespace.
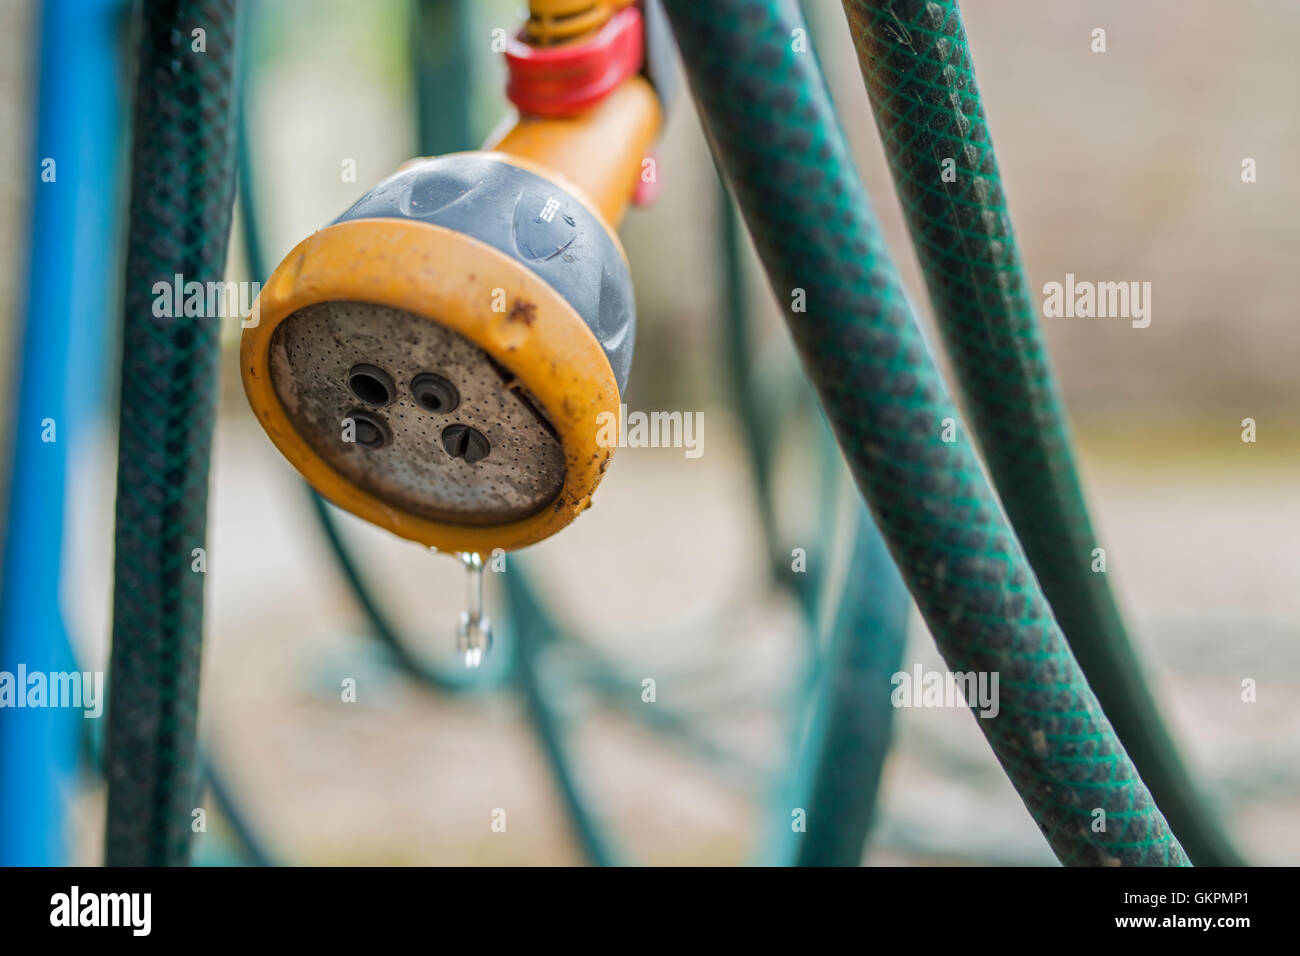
{"x":1120,"y":166}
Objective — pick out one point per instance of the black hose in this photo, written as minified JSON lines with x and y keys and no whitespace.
{"x":182,"y":188}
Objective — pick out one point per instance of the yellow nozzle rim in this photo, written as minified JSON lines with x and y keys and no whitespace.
{"x":454,"y":280}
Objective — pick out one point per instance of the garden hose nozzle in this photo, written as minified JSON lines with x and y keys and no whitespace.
{"x":437,"y":360}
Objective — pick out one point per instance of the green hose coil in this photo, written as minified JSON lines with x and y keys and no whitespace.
{"x":919,"y":74}
{"x":839,"y":759}
{"x":182,"y":189}
{"x":773,"y":128}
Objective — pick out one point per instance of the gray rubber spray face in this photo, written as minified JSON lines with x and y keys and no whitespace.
{"x":353,"y":378}
{"x":531,"y":220}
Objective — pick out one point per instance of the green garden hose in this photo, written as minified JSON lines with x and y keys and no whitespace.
{"x":920,"y":77}
{"x":182,"y":188}
{"x":772,"y":126}
{"x":533,"y":631}
{"x":853,"y":721}
{"x":839,"y":756}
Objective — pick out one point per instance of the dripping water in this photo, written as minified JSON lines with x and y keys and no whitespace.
{"x":474,"y":636}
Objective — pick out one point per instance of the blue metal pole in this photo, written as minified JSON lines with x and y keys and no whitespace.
{"x":74,"y":193}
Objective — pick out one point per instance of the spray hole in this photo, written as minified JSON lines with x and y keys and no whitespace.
{"x":368,"y":431}
{"x":434,"y":393}
{"x":371,"y":384}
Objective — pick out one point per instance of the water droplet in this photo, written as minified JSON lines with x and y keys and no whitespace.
{"x":474,"y":636}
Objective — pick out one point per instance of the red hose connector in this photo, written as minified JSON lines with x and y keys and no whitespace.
{"x":568,"y":79}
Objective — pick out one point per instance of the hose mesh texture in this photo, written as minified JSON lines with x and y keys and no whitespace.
{"x":920,"y":77}
{"x":772,"y":126}
{"x":182,"y":188}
